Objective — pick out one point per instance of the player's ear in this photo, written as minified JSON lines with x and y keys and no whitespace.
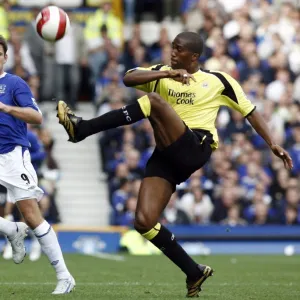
{"x":195,"y":57}
{"x":5,"y":58}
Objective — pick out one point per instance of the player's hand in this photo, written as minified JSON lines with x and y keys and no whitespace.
{"x":281,"y":153}
{"x":181,"y":76}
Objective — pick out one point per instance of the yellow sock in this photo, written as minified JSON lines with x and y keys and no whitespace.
{"x":152,"y":233}
{"x":145,"y":105}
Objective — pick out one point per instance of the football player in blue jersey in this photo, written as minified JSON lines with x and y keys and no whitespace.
{"x":37,"y":154}
{"x":17,"y":174}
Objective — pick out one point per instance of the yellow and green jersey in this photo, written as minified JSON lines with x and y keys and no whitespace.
{"x":198,"y":104}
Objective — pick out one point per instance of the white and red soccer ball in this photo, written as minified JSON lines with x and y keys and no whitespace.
{"x":52,"y":23}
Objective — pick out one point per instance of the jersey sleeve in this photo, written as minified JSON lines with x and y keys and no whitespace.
{"x":234,"y":97}
{"x":23,"y":95}
{"x":150,"y":86}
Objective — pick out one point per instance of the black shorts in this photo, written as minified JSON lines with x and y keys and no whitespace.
{"x":177,"y":162}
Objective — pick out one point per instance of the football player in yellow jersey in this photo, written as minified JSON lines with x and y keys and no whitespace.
{"x":182,"y":105}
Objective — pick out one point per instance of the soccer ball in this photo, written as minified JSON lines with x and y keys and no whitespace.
{"x":52,"y":23}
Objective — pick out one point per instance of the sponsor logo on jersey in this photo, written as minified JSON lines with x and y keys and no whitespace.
{"x":182,"y":97}
{"x":2,"y":88}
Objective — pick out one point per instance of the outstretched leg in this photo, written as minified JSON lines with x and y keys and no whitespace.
{"x":151,"y":106}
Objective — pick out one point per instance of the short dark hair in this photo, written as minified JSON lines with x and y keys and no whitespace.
{"x":194,"y":41}
{"x":3,"y":43}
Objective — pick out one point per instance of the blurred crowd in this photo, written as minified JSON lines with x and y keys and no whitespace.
{"x":255,"y":41}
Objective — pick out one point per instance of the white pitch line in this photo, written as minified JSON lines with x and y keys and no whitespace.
{"x":145,"y":284}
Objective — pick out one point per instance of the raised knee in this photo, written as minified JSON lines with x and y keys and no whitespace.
{"x":143,"y":223}
{"x":157,"y":102}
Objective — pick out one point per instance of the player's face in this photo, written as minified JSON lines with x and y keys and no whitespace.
{"x":181,"y":57}
{"x":3,"y":58}
{"x":106,"y":7}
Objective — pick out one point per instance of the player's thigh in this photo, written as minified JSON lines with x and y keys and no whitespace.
{"x":166,"y":123}
{"x":154,"y":195}
{"x":30,"y":211}
{"x":188,"y":154}
{"x":19,"y":176}
{"x":179,"y":160}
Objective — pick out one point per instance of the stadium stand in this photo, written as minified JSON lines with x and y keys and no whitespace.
{"x":257,"y":42}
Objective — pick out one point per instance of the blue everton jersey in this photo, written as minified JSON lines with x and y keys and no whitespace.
{"x":14,"y":91}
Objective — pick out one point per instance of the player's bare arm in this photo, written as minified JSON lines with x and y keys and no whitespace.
{"x":262,"y":129}
{"x":138,"y":77}
{"x":26,"y":114}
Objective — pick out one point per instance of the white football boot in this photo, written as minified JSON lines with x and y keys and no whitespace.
{"x":64,"y":286}
{"x":17,"y":242}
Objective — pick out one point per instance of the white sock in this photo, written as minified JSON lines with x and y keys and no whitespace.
{"x":7,"y":227}
{"x":50,"y":246}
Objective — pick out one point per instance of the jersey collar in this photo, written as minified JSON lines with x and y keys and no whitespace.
{"x":197,"y":72}
{"x":3,"y":75}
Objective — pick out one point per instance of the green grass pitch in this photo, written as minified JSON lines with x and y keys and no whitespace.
{"x":154,"y":277}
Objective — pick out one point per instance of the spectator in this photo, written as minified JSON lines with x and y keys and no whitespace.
{"x":70,"y":55}
{"x":261,"y":214}
{"x":132,"y":158}
{"x":127,"y":218}
{"x":103,"y":30}
{"x":293,"y":198}
{"x":237,"y":125}
{"x":223,"y":203}
{"x":173,"y":215}
{"x":37,"y":152}
{"x":121,"y":172}
{"x":155,"y":50}
{"x":36,"y":48}
{"x":291,"y":216}
{"x":119,"y":199}
{"x":278,"y":188}
{"x":295,"y":149}
{"x":18,"y":53}
{"x":220,"y":60}
{"x":196,"y":204}
{"x":234,"y":217}
{"x":143,"y":7}
{"x":193,"y":17}
{"x":4,"y":22}
{"x":134,"y":42}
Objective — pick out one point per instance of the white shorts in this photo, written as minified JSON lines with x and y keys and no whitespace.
{"x":18,"y":176}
